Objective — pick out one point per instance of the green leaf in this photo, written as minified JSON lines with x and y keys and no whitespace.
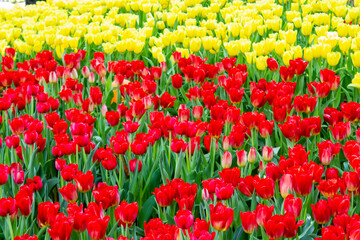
{"x":146,"y":210}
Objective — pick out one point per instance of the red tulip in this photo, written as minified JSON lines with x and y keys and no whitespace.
{"x":84,"y":182}
{"x":252,"y":155}
{"x":275,"y":227}
{"x":340,"y":204}
{"x":69,"y":193}
{"x":224,"y":191}
{"x":351,"y":180}
{"x":302,"y":183}
{"x":126,"y":213}
{"x":328,"y":188}
{"x":272,"y":171}
{"x":184,"y":219}
{"x":231,"y":176}
{"x":61,"y":228}
{"x":322,"y":90}
{"x":177,"y":81}
{"x":321,"y":211}
{"x":264,"y":188}
{"x":164,"y":195}
{"x":327,"y":150}
{"x":293,"y":205}
{"x":4,"y":174}
{"x":263,"y":214}
{"x":267,"y":153}
{"x":167,"y":101}
{"x":329,"y":77}
{"x":133,"y":163}
{"x":286,"y":73}
{"x":23,"y":200}
{"x":246,"y":185}
{"x":7,"y":207}
{"x":221,"y":216}
{"x":226,"y":160}
{"x":272,"y":64}
{"x":215,"y":128}
{"x":341,"y":130}
{"x":105,"y":195}
{"x":97,"y":226}
{"x":291,"y":226}
{"x":131,"y":127}
{"x":248,"y":221}
{"x":241,"y":158}
{"x":332,"y":233}
{"x":26,"y":237}
{"x":236,"y":95}
{"x":304,"y":104}
{"x":46,"y":213}
{"x":258,"y":98}
{"x":112,"y":118}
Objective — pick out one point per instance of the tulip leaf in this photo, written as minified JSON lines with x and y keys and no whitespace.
{"x":239,"y":234}
{"x":146,"y":211}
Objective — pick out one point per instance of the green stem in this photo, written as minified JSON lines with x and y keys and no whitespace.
{"x":8,"y":221}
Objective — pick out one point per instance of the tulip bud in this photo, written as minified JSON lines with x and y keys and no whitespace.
{"x":205,"y":194}
{"x":226,"y":160}
{"x":286,"y":185}
{"x":267,"y":153}
{"x":252,"y":155}
{"x":226,"y":143}
{"x":74,"y":74}
{"x":163,"y":66}
{"x":91,"y":77}
{"x":261,"y":166}
{"x":85,"y":72}
{"x":198,"y":112}
{"x":133,"y":163}
{"x":53,"y":78}
{"x":103,"y":110}
{"x":241,"y":158}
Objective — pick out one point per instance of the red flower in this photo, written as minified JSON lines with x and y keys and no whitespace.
{"x":286,"y":73}
{"x":69,"y":193}
{"x":328,"y":188}
{"x":310,"y":126}
{"x":351,"y":180}
{"x":84,"y":182}
{"x":265,"y":188}
{"x":106,"y":195}
{"x":293,"y":205}
{"x":46,"y":213}
{"x":97,"y":226}
{"x":96,"y":95}
{"x":327,"y":151}
{"x":275,"y":227}
{"x":61,"y":228}
{"x":215,"y":128}
{"x":224,"y":191}
{"x":177,"y":81}
{"x":130,"y":126}
{"x":272,"y":64}
{"x":7,"y":207}
{"x":321,"y":89}
{"x":291,"y":226}
{"x":126,"y":213}
{"x":332,"y":233}
{"x":329,"y":77}
{"x":272,"y":171}
{"x":246,"y":185}
{"x":321,"y":212}
{"x":221,"y":216}
{"x":236,"y":95}
{"x":304,"y":104}
{"x":258,"y":98}
{"x":341,"y":130}
{"x":291,"y":128}
{"x":231,"y":176}
{"x":23,"y":200}
{"x":299,"y":65}
{"x":184,"y":219}
{"x":248,"y":221}
{"x":267,"y":154}
{"x":112,"y":118}
{"x":167,"y":101}
{"x":263,"y":214}
{"x":164,"y":195}
{"x":340,"y":204}
{"x":133,"y":163}
{"x":303,"y":183}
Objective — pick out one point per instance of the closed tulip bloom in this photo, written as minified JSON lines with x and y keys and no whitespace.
{"x":252,"y":155}
{"x":164,"y":195}
{"x":291,"y":226}
{"x":224,"y":191}
{"x":130,"y":126}
{"x":272,"y":171}
{"x":333,"y":58}
{"x":293,"y":205}
{"x":248,"y":221}
{"x":113,"y":118}
{"x":263,"y":214}
{"x":341,"y":130}
{"x":241,"y":158}
{"x":333,"y":233}
{"x":106,"y":195}
{"x":126,"y":213}
{"x":327,"y":151}
{"x":267,"y":153}
{"x":221,"y":216}
{"x":69,"y":193}
{"x":302,"y":183}
{"x":351,"y":180}
{"x":340,"y":204}
{"x":246,"y":185}
{"x":184,"y":219}
{"x":272,"y":64}
{"x":226,"y":160}
{"x":321,"y":212}
{"x":275,"y":227}
{"x":177,"y":81}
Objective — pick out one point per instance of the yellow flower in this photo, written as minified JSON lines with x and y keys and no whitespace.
{"x":344,"y":44}
{"x":356,"y":81}
{"x":306,"y":28}
{"x":287,"y":56}
{"x":333,"y":58}
{"x":250,"y":57}
{"x":195,"y":44}
{"x":325,"y":49}
{"x":355,"y":57}
{"x":308,"y":54}
{"x":280,"y":47}
{"x":261,"y":63}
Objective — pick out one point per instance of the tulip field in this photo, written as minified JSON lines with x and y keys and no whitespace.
{"x":180,"y":119}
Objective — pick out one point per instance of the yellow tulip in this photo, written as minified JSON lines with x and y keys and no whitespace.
{"x":287,"y":56}
{"x":232,"y":48}
{"x":195,"y":44}
{"x":333,"y":58}
{"x":280,"y":47}
{"x":260,"y":63}
{"x":250,"y":57}
{"x":308,"y":54}
{"x":355,"y":57}
{"x":325,"y":49}
{"x":120,"y":46}
{"x":344,"y":44}
{"x":356,"y":81}
{"x":306,"y":28}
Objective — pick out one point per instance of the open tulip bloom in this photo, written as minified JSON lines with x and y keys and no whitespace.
{"x":180,"y":120}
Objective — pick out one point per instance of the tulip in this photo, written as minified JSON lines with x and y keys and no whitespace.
{"x":264,"y":188}
{"x":224,"y":192}
{"x":69,"y":193}
{"x":321,"y":212}
{"x":272,"y":64}
{"x":351,"y":180}
{"x":263,"y":214}
{"x":272,"y":171}
{"x":241,"y":158}
{"x":293,"y":205}
{"x":248,"y":221}
{"x":246,"y":185}
{"x":177,"y":81}
{"x":267,"y":153}
{"x":97,"y":226}
{"x":133,"y":163}
{"x":126,"y":213}
{"x":61,"y":228}
{"x":252,"y":155}
{"x":112,"y":118}
{"x":226,"y":160}
{"x":7,"y":206}
{"x":106,"y":195}
{"x":221,"y":216}
{"x":184,"y":219}
{"x":275,"y":227}
{"x":46,"y":213}
{"x":164,"y":195}
{"x":302,"y":183}
{"x":333,"y":232}
{"x":84,"y":182}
